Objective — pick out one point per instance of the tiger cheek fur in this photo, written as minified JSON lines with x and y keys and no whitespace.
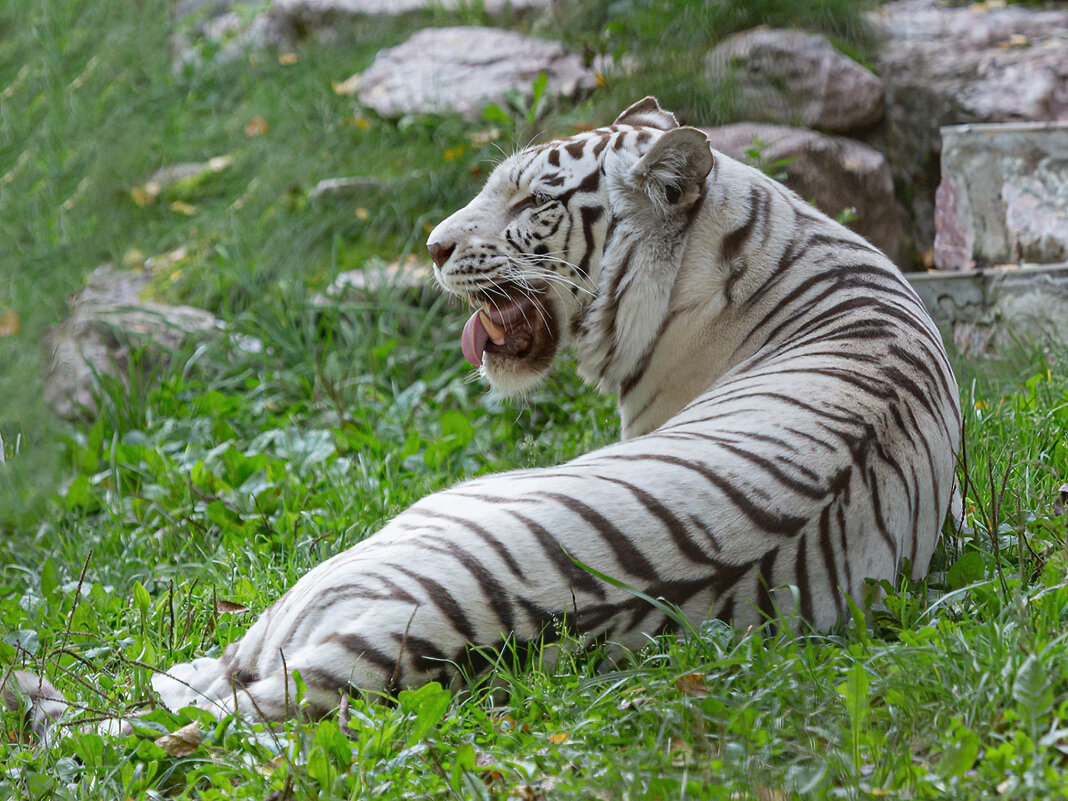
{"x":789,"y":414}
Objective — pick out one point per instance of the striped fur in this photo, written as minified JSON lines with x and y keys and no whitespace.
{"x":789,"y":418}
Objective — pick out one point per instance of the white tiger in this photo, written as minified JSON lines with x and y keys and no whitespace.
{"x":790,"y":422}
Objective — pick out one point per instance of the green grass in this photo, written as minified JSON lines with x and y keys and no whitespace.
{"x":211,"y":485}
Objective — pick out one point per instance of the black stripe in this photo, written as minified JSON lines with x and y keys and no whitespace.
{"x":498,"y":597}
{"x":676,"y":529}
{"x":784,"y":525}
{"x":628,"y":556}
{"x":362,"y":648}
{"x":486,"y":536}
{"x":590,"y":215}
{"x":554,"y":552}
{"x":442,"y":599}
{"x":766,"y":581}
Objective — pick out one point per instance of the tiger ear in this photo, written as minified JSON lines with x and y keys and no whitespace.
{"x":647,"y":113}
{"x":675,"y":166}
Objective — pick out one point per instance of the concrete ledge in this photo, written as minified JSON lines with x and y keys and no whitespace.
{"x":986,"y":309}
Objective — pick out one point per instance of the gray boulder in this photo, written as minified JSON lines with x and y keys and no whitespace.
{"x":108,"y":324}
{"x":796,"y":78}
{"x":294,"y":19}
{"x":991,"y":310}
{"x":950,"y":65}
{"x":1003,"y":198}
{"x":463,"y":69}
{"x":834,"y":172}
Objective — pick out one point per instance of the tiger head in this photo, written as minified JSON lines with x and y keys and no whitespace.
{"x":545,"y":248}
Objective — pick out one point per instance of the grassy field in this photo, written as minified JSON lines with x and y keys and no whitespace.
{"x":160,"y":530}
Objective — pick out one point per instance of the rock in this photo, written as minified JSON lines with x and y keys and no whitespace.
{"x":945,"y":66}
{"x":211,"y":28}
{"x":463,"y":69}
{"x":296,"y":19}
{"x":990,"y":310}
{"x":794,"y":77}
{"x":414,"y":279}
{"x":1003,"y":196}
{"x":833,"y":172}
{"x":109,"y":324}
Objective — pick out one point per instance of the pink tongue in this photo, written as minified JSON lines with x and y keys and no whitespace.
{"x":473,"y":340}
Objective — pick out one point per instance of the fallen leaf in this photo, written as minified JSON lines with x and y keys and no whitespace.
{"x":134,"y":257}
{"x":183,"y":741}
{"x":142,"y":196}
{"x":1061,"y":503}
{"x":559,"y":737}
{"x":230,"y":606}
{"x":362,"y":213}
{"x":485,"y":137}
{"x":771,"y":793}
{"x":346,"y":87}
{"x":9,"y":323}
{"x":692,"y":684}
{"x":220,"y":163}
{"x":257,"y":126}
{"x":286,"y":59}
{"x":184,"y":208}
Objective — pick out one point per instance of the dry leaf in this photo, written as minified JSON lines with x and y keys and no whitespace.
{"x":134,"y":258}
{"x":187,"y":209}
{"x":9,"y":323}
{"x":362,"y":213}
{"x":771,"y":793}
{"x":257,"y":126}
{"x":348,"y":86}
{"x":692,"y":684}
{"x":524,"y":792}
{"x":182,"y":742}
{"x":142,"y":196}
{"x":230,"y":606}
{"x":1061,"y":503}
{"x":559,"y":737}
{"x":220,"y":163}
{"x":287,"y":59}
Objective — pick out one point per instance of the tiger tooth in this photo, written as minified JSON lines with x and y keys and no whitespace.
{"x":495,"y":332}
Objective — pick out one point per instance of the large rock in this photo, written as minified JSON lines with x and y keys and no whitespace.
{"x":1003,"y":196}
{"x":296,"y":19}
{"x":463,"y":69}
{"x":834,"y":172}
{"x":992,"y":310}
{"x":945,"y":66}
{"x":794,"y":77}
{"x":108,"y":325}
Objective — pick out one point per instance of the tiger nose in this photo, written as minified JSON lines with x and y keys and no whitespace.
{"x":440,"y":251}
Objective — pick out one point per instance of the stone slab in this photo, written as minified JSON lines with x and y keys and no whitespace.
{"x":987,"y":310}
{"x":462,"y":69}
{"x":794,"y":77}
{"x":1003,"y":197}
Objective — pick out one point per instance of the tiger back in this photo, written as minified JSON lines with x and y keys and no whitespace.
{"x":789,"y":417}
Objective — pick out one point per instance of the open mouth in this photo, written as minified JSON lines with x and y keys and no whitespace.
{"x":511,"y":326}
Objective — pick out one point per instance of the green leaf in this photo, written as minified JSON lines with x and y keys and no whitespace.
{"x":429,"y":704}
{"x":494,"y":113}
{"x":78,"y":495}
{"x":855,"y":692}
{"x":1031,"y":690}
{"x":336,"y":745}
{"x":960,"y":754}
{"x":141,"y":598}
{"x":49,"y":578}
{"x":969,"y":569}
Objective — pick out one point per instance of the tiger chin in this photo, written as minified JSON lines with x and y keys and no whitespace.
{"x":790,"y":423}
